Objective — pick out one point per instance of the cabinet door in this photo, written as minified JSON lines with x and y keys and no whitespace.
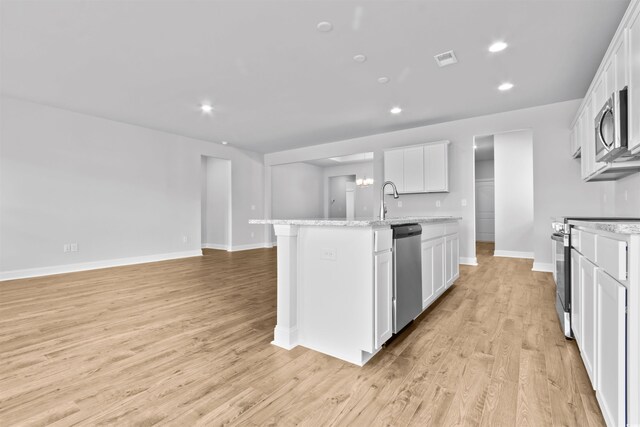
{"x":611,"y":333}
{"x":413,"y":170}
{"x":620,"y":79}
{"x":576,"y":297}
{"x":573,"y":141}
{"x":432,"y":270}
{"x":452,"y":260}
{"x":588,"y":347}
{"x":633,"y":75}
{"x":436,"y":178}
{"x":383,"y":297}
{"x":582,"y":137}
{"x":394,"y":169}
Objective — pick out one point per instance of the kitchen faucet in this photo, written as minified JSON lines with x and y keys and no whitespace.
{"x":383,"y":207}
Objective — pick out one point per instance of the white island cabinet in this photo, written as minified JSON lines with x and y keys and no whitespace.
{"x":335,"y":281}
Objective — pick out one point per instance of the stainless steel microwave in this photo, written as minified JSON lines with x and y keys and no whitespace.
{"x":611,"y":129}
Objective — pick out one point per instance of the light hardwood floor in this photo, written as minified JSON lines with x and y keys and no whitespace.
{"x":186,"y":342}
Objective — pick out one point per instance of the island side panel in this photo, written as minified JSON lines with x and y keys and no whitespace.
{"x":285,"y":334}
{"x":336,"y":301}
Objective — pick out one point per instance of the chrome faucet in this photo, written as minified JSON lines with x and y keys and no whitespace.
{"x":383,"y":207}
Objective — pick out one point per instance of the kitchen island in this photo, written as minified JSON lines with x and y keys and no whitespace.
{"x":335,"y":280}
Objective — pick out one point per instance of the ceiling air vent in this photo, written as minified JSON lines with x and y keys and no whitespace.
{"x":446,"y":58}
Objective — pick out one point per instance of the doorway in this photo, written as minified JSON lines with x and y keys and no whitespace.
{"x":342,"y":196}
{"x":485,"y":189}
{"x":215,"y":204}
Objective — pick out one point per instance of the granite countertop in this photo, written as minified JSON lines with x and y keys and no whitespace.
{"x":632,"y":226}
{"x":358,"y":222}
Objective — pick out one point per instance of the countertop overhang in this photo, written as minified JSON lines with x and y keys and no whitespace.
{"x":358,"y":222}
{"x":632,"y":226}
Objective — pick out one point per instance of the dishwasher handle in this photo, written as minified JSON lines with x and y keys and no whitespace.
{"x":406,"y":230}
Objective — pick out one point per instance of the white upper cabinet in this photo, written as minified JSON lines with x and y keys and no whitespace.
{"x":436,"y":161}
{"x":394,"y":169}
{"x":633,"y":76}
{"x":413,"y":170}
{"x":418,"y":168}
{"x":620,"y":68}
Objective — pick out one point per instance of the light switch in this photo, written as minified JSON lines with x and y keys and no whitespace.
{"x":329,"y":254}
{"x":464,"y":202}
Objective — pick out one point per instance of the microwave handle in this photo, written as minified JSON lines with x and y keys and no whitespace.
{"x":600,"y":135}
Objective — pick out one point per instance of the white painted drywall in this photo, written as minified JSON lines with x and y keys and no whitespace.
{"x":484,"y":169}
{"x":215,"y":220}
{"x":558,"y":188}
{"x":513,"y":156}
{"x":626,"y":196}
{"x":116,"y":189}
{"x":298,"y":191}
{"x":365,"y":202}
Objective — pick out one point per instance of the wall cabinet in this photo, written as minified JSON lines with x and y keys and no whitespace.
{"x":610,"y":358}
{"x":418,"y":168}
{"x":620,"y":68}
{"x":383,"y":276}
{"x":433,"y":282}
{"x":633,"y":76}
{"x":588,"y":308}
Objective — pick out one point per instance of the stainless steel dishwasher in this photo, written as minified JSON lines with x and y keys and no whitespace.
{"x":407,"y":274}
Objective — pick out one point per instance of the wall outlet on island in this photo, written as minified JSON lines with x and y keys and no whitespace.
{"x":328,"y":254}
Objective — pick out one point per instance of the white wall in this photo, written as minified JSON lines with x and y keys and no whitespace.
{"x":118,"y":190}
{"x":558,"y":189}
{"x":298,"y":191}
{"x":484,"y":169}
{"x":365,"y":202}
{"x":513,"y":154}
{"x":215,"y":219}
{"x":626,"y":196}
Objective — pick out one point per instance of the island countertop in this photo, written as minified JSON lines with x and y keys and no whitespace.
{"x":358,"y":222}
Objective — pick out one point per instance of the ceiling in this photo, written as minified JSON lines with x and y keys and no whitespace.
{"x":343,"y":160}
{"x":277,"y":83}
{"x":484,"y":147}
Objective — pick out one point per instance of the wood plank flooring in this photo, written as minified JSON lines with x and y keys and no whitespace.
{"x":187,"y":342}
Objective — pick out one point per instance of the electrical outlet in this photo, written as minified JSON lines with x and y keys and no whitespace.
{"x":438,"y":204}
{"x":463,"y":202}
{"x":626,"y":195}
{"x":74,"y":247}
{"x":328,"y":254}
{"x":184,"y":239}
{"x":252,"y":234}
{"x":66,"y":248}
{"x":364,"y":208}
{"x":399,"y":203}
{"x":253,"y":207}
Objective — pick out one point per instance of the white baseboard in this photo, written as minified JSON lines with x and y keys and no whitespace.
{"x":249,"y":246}
{"x":545,"y":267}
{"x":468,"y":260}
{"x":513,"y":254}
{"x":215,"y":246}
{"x":94,"y":265}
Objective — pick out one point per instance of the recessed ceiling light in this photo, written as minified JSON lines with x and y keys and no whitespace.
{"x":396,"y":110}
{"x":324,"y":27}
{"x":360,"y":58}
{"x":505,"y":86}
{"x":383,"y":80}
{"x":446,"y":58}
{"x":224,"y":142}
{"x":498,"y":46}
{"x":206,"y":108}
